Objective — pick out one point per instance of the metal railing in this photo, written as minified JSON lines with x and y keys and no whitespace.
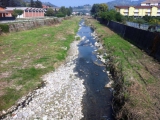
{"x":141,"y":26}
{"x":25,"y":19}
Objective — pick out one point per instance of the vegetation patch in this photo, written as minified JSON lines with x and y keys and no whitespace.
{"x":28,"y":55}
{"x":4,"y":28}
{"x":136,"y":87}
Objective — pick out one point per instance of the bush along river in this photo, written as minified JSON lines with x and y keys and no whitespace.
{"x":97,"y":99}
{"x":74,"y":91}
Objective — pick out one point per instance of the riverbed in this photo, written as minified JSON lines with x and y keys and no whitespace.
{"x":75,"y":90}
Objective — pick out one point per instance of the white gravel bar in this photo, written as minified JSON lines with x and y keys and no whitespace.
{"x":61,"y":98}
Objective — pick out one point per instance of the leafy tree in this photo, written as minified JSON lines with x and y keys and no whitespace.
{"x":68,"y":12}
{"x":17,"y":12}
{"x":63,"y":10}
{"x":154,"y":21}
{"x":32,"y":4}
{"x":3,"y":3}
{"x":94,"y":9}
{"x":112,"y":15}
{"x":60,"y":14}
{"x":98,"y":9}
{"x":70,"y":8}
{"x":49,"y":12}
{"x":38,"y":4}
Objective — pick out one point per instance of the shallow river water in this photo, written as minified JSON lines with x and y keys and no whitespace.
{"x":97,"y":99}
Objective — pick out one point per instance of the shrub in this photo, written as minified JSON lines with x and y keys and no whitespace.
{"x":60,"y":15}
{"x":4,"y":27}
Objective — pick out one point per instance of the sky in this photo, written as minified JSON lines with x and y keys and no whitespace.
{"x":73,"y":3}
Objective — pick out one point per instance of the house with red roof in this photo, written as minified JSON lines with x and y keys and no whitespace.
{"x":28,"y":12}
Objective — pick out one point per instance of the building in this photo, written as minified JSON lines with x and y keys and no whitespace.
{"x":45,"y":6}
{"x":3,"y":12}
{"x":151,"y":3}
{"x":148,"y":7}
{"x":28,"y":12}
{"x":138,"y":10}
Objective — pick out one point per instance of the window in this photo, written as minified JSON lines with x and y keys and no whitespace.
{"x":147,"y":4}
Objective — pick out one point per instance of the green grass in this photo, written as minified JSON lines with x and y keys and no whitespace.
{"x":22,"y":51}
{"x":127,"y":59}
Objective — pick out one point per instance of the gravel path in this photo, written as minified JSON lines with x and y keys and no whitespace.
{"x":60,"y":98}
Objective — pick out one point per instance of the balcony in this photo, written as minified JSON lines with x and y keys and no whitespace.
{"x":126,"y":10}
{"x":136,"y":10}
{"x":148,"y":11}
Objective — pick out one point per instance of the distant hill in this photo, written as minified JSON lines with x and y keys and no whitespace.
{"x":48,"y":4}
{"x":84,"y":9}
{"x":123,"y":3}
{"x":27,"y":1}
{"x":24,"y":3}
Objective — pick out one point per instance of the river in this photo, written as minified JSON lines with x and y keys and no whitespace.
{"x":97,"y":99}
{"x":74,"y":91}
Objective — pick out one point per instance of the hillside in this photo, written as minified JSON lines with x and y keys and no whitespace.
{"x":123,"y":2}
{"x":49,"y":4}
{"x":24,"y":3}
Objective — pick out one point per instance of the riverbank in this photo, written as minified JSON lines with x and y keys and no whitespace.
{"x":74,"y":90}
{"x":136,"y":76}
{"x":61,"y":96}
{"x":26,"y":56}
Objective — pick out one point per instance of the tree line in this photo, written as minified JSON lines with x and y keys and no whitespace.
{"x":62,"y":12}
{"x":20,"y":3}
{"x":102,"y":11}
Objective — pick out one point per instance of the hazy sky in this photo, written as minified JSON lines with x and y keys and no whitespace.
{"x":72,"y":3}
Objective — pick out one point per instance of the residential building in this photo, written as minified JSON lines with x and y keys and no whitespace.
{"x":28,"y":12}
{"x":148,"y":7}
{"x":138,"y":10}
{"x":45,"y":6}
{"x":3,"y":12}
{"x":151,"y":3}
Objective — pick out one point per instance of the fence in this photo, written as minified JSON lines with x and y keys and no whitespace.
{"x":142,"y":26}
{"x":143,"y":39}
{"x":6,"y":18}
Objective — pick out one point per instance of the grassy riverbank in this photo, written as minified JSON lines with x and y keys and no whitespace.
{"x":137,"y":77}
{"x":26,"y":56}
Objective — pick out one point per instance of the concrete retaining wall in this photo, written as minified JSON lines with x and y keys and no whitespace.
{"x":143,"y":39}
{"x":15,"y":27}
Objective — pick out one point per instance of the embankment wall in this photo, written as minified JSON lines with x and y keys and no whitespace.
{"x":145,"y":40}
{"x":21,"y":26}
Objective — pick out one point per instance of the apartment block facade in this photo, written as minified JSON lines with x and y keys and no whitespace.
{"x":148,"y":7}
{"x":138,"y":10}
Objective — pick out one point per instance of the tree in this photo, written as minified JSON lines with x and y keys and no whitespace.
{"x":68,"y":12}
{"x":17,"y":12}
{"x":32,"y":3}
{"x":70,"y":8}
{"x":38,"y":4}
{"x":63,"y":10}
{"x":97,"y":9}
{"x":49,"y":12}
{"x":3,"y":3}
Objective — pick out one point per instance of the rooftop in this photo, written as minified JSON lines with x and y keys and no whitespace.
{"x":143,"y":7}
{"x":151,"y":1}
